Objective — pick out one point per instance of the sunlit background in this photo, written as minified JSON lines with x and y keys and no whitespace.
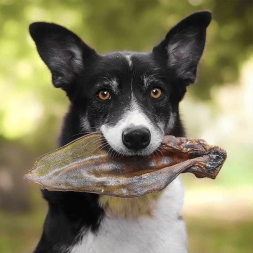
{"x":218,"y":108}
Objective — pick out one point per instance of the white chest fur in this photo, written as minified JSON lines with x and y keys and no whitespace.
{"x":164,"y":232}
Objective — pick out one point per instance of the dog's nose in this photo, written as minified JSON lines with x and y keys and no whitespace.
{"x":136,"y":138}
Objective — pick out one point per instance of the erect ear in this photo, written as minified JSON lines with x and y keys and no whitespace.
{"x":184,"y":45}
{"x":62,"y":51}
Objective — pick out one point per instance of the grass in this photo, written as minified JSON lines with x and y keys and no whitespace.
{"x":208,"y":235}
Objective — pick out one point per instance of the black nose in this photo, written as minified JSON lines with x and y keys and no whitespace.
{"x":136,"y":138}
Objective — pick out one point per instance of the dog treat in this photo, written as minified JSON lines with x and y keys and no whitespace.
{"x":86,"y":165}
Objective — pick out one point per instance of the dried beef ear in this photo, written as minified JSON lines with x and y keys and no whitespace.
{"x":85,"y":165}
{"x":212,"y":160}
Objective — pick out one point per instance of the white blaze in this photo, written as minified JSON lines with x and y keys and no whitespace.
{"x":133,"y":117}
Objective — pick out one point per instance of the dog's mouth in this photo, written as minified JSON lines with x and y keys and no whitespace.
{"x":119,"y":149}
{"x":125,"y":153}
{"x":85,"y":165}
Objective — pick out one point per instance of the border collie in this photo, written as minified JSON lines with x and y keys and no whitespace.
{"x":132,"y":98}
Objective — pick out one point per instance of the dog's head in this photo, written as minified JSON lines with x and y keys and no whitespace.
{"x":132,"y":98}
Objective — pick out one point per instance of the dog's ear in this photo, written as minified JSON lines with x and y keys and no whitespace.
{"x":61,"y":50}
{"x":184,"y":45}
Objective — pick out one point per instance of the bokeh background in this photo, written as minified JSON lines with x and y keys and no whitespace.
{"x":218,"y":108}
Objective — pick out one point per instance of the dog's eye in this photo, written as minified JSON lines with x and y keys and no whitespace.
{"x":156,"y":93}
{"x":104,"y":95}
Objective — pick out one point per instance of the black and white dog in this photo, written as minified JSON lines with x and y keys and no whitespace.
{"x":132,"y":98}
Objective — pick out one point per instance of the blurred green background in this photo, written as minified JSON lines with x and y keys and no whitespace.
{"x":218,"y":108}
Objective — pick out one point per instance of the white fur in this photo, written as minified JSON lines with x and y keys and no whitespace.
{"x":78,"y":56}
{"x":128,"y":57}
{"x":133,"y":117}
{"x":161,"y":233}
{"x":172,"y":120}
{"x":85,"y":123}
{"x":113,"y":83}
{"x":148,"y":80}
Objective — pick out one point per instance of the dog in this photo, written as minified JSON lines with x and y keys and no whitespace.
{"x":132,"y":98}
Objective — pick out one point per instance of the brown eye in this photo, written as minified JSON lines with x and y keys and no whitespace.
{"x":104,"y":95}
{"x":156,"y":93}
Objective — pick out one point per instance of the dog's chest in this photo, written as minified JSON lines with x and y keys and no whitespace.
{"x":164,"y":232}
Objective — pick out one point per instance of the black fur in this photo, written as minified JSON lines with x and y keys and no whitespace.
{"x":82,"y":73}
{"x":68,"y":214}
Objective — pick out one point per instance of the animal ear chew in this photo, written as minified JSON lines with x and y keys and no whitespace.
{"x":84,"y":166}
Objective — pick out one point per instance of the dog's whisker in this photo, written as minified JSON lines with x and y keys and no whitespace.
{"x":104,"y":146}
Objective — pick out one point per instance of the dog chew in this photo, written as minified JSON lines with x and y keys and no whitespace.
{"x":86,"y":165}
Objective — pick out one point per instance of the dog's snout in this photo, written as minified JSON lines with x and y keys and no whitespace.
{"x":136,"y":138}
